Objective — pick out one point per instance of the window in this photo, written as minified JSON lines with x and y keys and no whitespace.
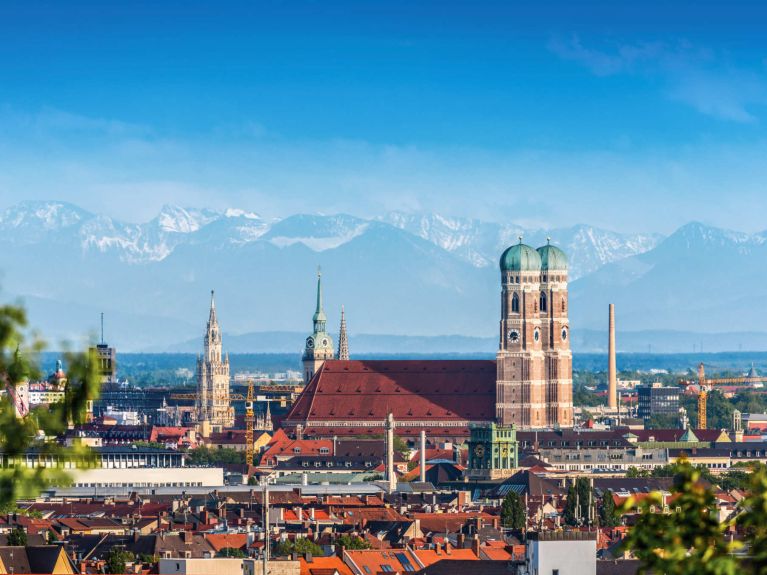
{"x":515,"y":303}
{"x":296,"y":450}
{"x":387,"y":568}
{"x":555,"y":572}
{"x":543,"y":301}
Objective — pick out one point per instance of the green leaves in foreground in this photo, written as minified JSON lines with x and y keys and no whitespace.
{"x":36,"y":432}
{"x":689,"y":540}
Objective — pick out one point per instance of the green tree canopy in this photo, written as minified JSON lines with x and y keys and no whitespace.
{"x":577,"y":505}
{"x":609,"y":516}
{"x":116,"y":559}
{"x":18,"y":537}
{"x":513,"y":512}
{"x":301,"y":546}
{"x":351,"y":542}
{"x":205,"y":456}
{"x":18,"y":431}
{"x":231,"y":552}
{"x":689,"y":541}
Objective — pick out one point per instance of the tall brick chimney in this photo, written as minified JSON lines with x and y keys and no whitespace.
{"x":612,"y":377}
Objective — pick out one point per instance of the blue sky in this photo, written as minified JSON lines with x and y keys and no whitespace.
{"x":632,"y":116}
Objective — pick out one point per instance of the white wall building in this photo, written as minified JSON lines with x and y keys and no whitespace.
{"x":561,"y":553}
{"x":148,"y":477}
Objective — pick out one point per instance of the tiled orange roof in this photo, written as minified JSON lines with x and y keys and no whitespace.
{"x":221,"y":541}
{"x":429,"y":556}
{"x":375,"y":561}
{"x":319,"y":563}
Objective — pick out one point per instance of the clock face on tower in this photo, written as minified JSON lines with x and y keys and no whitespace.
{"x":479,"y":451}
{"x":324,"y":342}
{"x":309,"y":342}
{"x":513,"y":336}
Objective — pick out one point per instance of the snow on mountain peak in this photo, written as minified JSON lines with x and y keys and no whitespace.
{"x":240,"y":213}
{"x":183,"y":220}
{"x":42,"y":214}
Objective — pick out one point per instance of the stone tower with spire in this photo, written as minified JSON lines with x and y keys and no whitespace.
{"x":319,"y":345}
{"x":343,"y":341}
{"x":213,"y":406}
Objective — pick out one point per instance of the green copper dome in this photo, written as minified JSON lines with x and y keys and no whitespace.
{"x":552,"y":258}
{"x":520,"y":258}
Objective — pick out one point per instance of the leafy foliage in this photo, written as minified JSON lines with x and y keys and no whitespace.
{"x":754,"y":520}
{"x":513,"y":512}
{"x":18,"y":435}
{"x":148,"y":558}
{"x":116,"y":560}
{"x":577,"y":506}
{"x":689,"y":541}
{"x":149,"y":444}
{"x":18,"y":537}
{"x":350,"y":542}
{"x":231,"y":552}
{"x":204,"y":456}
{"x":301,"y":546}
{"x":663,"y":421}
{"x":609,"y":515}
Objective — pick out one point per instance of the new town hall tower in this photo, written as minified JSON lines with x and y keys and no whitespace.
{"x":534,"y":361}
{"x":213,"y":407}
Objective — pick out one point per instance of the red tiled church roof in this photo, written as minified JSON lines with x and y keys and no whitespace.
{"x":417,"y":391}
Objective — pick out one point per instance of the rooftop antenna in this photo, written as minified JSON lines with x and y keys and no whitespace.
{"x":102,"y":328}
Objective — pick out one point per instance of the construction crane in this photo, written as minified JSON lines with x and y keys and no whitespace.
{"x":249,"y":415}
{"x":705,"y":385}
{"x":249,"y":424}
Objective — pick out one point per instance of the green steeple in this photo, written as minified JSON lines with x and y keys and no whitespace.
{"x":320,"y":319}
{"x":689,"y":437}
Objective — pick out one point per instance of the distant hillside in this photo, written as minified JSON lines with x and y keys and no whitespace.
{"x":699,"y":279}
{"x":583,"y":341}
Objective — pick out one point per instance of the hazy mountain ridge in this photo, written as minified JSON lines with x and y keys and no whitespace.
{"x":415,"y":274}
{"x":700,"y":278}
{"x":475,"y":242}
{"x":480,"y":243}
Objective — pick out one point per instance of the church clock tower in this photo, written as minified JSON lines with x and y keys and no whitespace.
{"x":534,"y":362}
{"x":319,"y":345}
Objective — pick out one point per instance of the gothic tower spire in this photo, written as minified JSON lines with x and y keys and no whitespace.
{"x":212,"y":319}
{"x":343,"y":342}
{"x":319,"y":345}
{"x":319,"y":314}
{"x":213,"y":407}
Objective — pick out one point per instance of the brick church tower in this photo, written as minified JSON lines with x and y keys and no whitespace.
{"x":534,"y":362}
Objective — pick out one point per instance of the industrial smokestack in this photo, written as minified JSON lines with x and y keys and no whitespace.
{"x":391,"y":478}
{"x":423,"y":456}
{"x":612,"y":381}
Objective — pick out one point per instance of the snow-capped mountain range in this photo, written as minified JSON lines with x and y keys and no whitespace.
{"x":416,"y":274}
{"x":476,"y":242}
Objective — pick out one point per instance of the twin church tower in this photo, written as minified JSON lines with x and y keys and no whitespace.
{"x":534,"y":386}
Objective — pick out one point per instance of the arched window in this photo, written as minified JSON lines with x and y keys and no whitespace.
{"x":563,"y":305}
{"x":543,"y":301}
{"x":515,"y":303}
